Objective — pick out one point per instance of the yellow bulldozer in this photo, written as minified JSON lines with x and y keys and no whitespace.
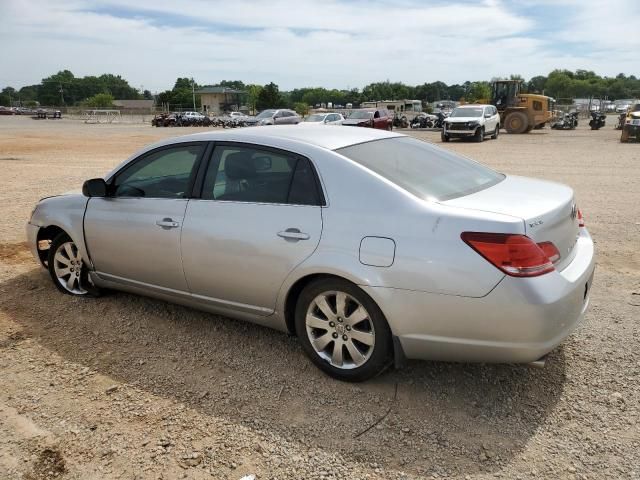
{"x":520,"y":112}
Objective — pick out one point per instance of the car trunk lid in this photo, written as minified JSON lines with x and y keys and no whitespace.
{"x":547,"y":209}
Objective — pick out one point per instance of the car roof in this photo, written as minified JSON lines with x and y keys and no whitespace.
{"x":323,"y":137}
{"x":473,"y":105}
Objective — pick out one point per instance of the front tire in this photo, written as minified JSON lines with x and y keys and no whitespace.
{"x":516,"y":122}
{"x":496,"y":133}
{"x":68,"y":271}
{"x":479,"y":136}
{"x":444,"y":137}
{"x":342,"y":330}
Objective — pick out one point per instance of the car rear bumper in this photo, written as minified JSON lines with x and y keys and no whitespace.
{"x":519,"y":321}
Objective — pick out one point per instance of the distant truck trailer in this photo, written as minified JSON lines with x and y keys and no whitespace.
{"x":404,"y":109}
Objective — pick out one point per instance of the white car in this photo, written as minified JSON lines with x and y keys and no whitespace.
{"x":237,"y":115}
{"x":193,"y":115}
{"x":325,"y":118}
{"x":472,"y":121}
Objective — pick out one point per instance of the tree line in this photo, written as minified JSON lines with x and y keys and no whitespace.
{"x":64,"y":88}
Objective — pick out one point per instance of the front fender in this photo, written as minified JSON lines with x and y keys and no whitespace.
{"x":67,"y":213}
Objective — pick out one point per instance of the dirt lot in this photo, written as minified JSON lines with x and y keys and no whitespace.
{"x":128,"y":387}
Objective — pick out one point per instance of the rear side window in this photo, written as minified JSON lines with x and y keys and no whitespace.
{"x":247,"y":174}
{"x":425,"y":171}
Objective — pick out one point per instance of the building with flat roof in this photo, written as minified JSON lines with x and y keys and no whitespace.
{"x":217,"y":100}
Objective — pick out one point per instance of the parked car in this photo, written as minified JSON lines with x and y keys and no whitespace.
{"x":329,"y":118}
{"x":192,"y":116}
{"x":275,"y":117}
{"x":237,"y":115}
{"x":367,"y":245}
{"x":7,"y":111}
{"x":370,"y":117}
{"x":472,"y":121}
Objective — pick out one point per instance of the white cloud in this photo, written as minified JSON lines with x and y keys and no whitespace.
{"x":301,"y":43}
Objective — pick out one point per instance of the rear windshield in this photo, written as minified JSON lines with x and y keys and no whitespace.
{"x":428,"y":172}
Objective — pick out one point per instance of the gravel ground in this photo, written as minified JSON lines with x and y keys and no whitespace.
{"x":133,"y":388}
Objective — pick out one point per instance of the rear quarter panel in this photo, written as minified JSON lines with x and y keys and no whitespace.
{"x":429,"y":255}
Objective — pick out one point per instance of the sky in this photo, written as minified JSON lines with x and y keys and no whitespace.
{"x":304,"y":43}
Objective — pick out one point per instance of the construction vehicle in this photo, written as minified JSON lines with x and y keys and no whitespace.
{"x":520,"y":112}
{"x":631,"y":127}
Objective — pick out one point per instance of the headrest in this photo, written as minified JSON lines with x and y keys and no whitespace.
{"x":239,"y":166}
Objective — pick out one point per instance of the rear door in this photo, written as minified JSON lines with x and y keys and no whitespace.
{"x":133,"y":235}
{"x":259,"y":216}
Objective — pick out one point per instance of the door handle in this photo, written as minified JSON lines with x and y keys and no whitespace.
{"x":294,"y":234}
{"x":167,"y":223}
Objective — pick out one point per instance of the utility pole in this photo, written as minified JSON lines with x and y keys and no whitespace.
{"x":193,"y":93}
{"x":61,"y":95}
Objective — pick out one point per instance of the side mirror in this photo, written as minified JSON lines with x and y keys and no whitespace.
{"x":487,"y":115}
{"x":96,"y":187}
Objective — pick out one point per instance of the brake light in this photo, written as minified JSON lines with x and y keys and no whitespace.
{"x":550,"y":251}
{"x":515,"y":255}
{"x":580,"y":219}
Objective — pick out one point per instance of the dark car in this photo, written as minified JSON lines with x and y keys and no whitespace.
{"x":370,"y":117}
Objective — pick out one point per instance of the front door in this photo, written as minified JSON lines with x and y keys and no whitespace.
{"x":259,"y":217}
{"x":133,"y":235}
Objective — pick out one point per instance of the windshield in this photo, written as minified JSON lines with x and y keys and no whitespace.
{"x":467,"y":112}
{"x":361,"y":114}
{"x":427,"y":172}
{"x":266,"y":114}
{"x":314,"y":118}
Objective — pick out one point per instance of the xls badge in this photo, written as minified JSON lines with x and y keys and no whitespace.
{"x":574,"y":211}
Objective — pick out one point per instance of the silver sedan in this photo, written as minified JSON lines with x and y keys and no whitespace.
{"x":370,"y":246}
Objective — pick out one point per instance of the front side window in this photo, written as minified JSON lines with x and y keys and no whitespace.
{"x":361,"y":114}
{"x":165,"y":173}
{"x":426,"y":172}
{"x":266,"y":114}
{"x":252,"y":174}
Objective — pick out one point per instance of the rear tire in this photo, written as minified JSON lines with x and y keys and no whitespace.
{"x":516,"y":122}
{"x":351,"y":338}
{"x":624,"y":138}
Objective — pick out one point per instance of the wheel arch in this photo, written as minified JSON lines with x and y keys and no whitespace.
{"x":47,"y":234}
{"x":294,"y":291}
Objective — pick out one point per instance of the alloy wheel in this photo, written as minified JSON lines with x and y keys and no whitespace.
{"x":67,"y":265}
{"x":340,"y":330}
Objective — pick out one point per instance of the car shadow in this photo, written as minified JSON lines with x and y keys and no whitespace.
{"x":426,"y":418}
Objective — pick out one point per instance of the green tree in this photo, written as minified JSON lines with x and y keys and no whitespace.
{"x":100,"y":100}
{"x":253,"y":92}
{"x":301,"y":108}
{"x":269,"y":97}
{"x":479,"y":91}
{"x":536,"y":84}
{"x":233,"y":84}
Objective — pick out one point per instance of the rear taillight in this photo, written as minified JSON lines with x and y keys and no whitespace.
{"x":515,"y":255}
{"x":580,"y":219}
{"x":550,"y":251}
